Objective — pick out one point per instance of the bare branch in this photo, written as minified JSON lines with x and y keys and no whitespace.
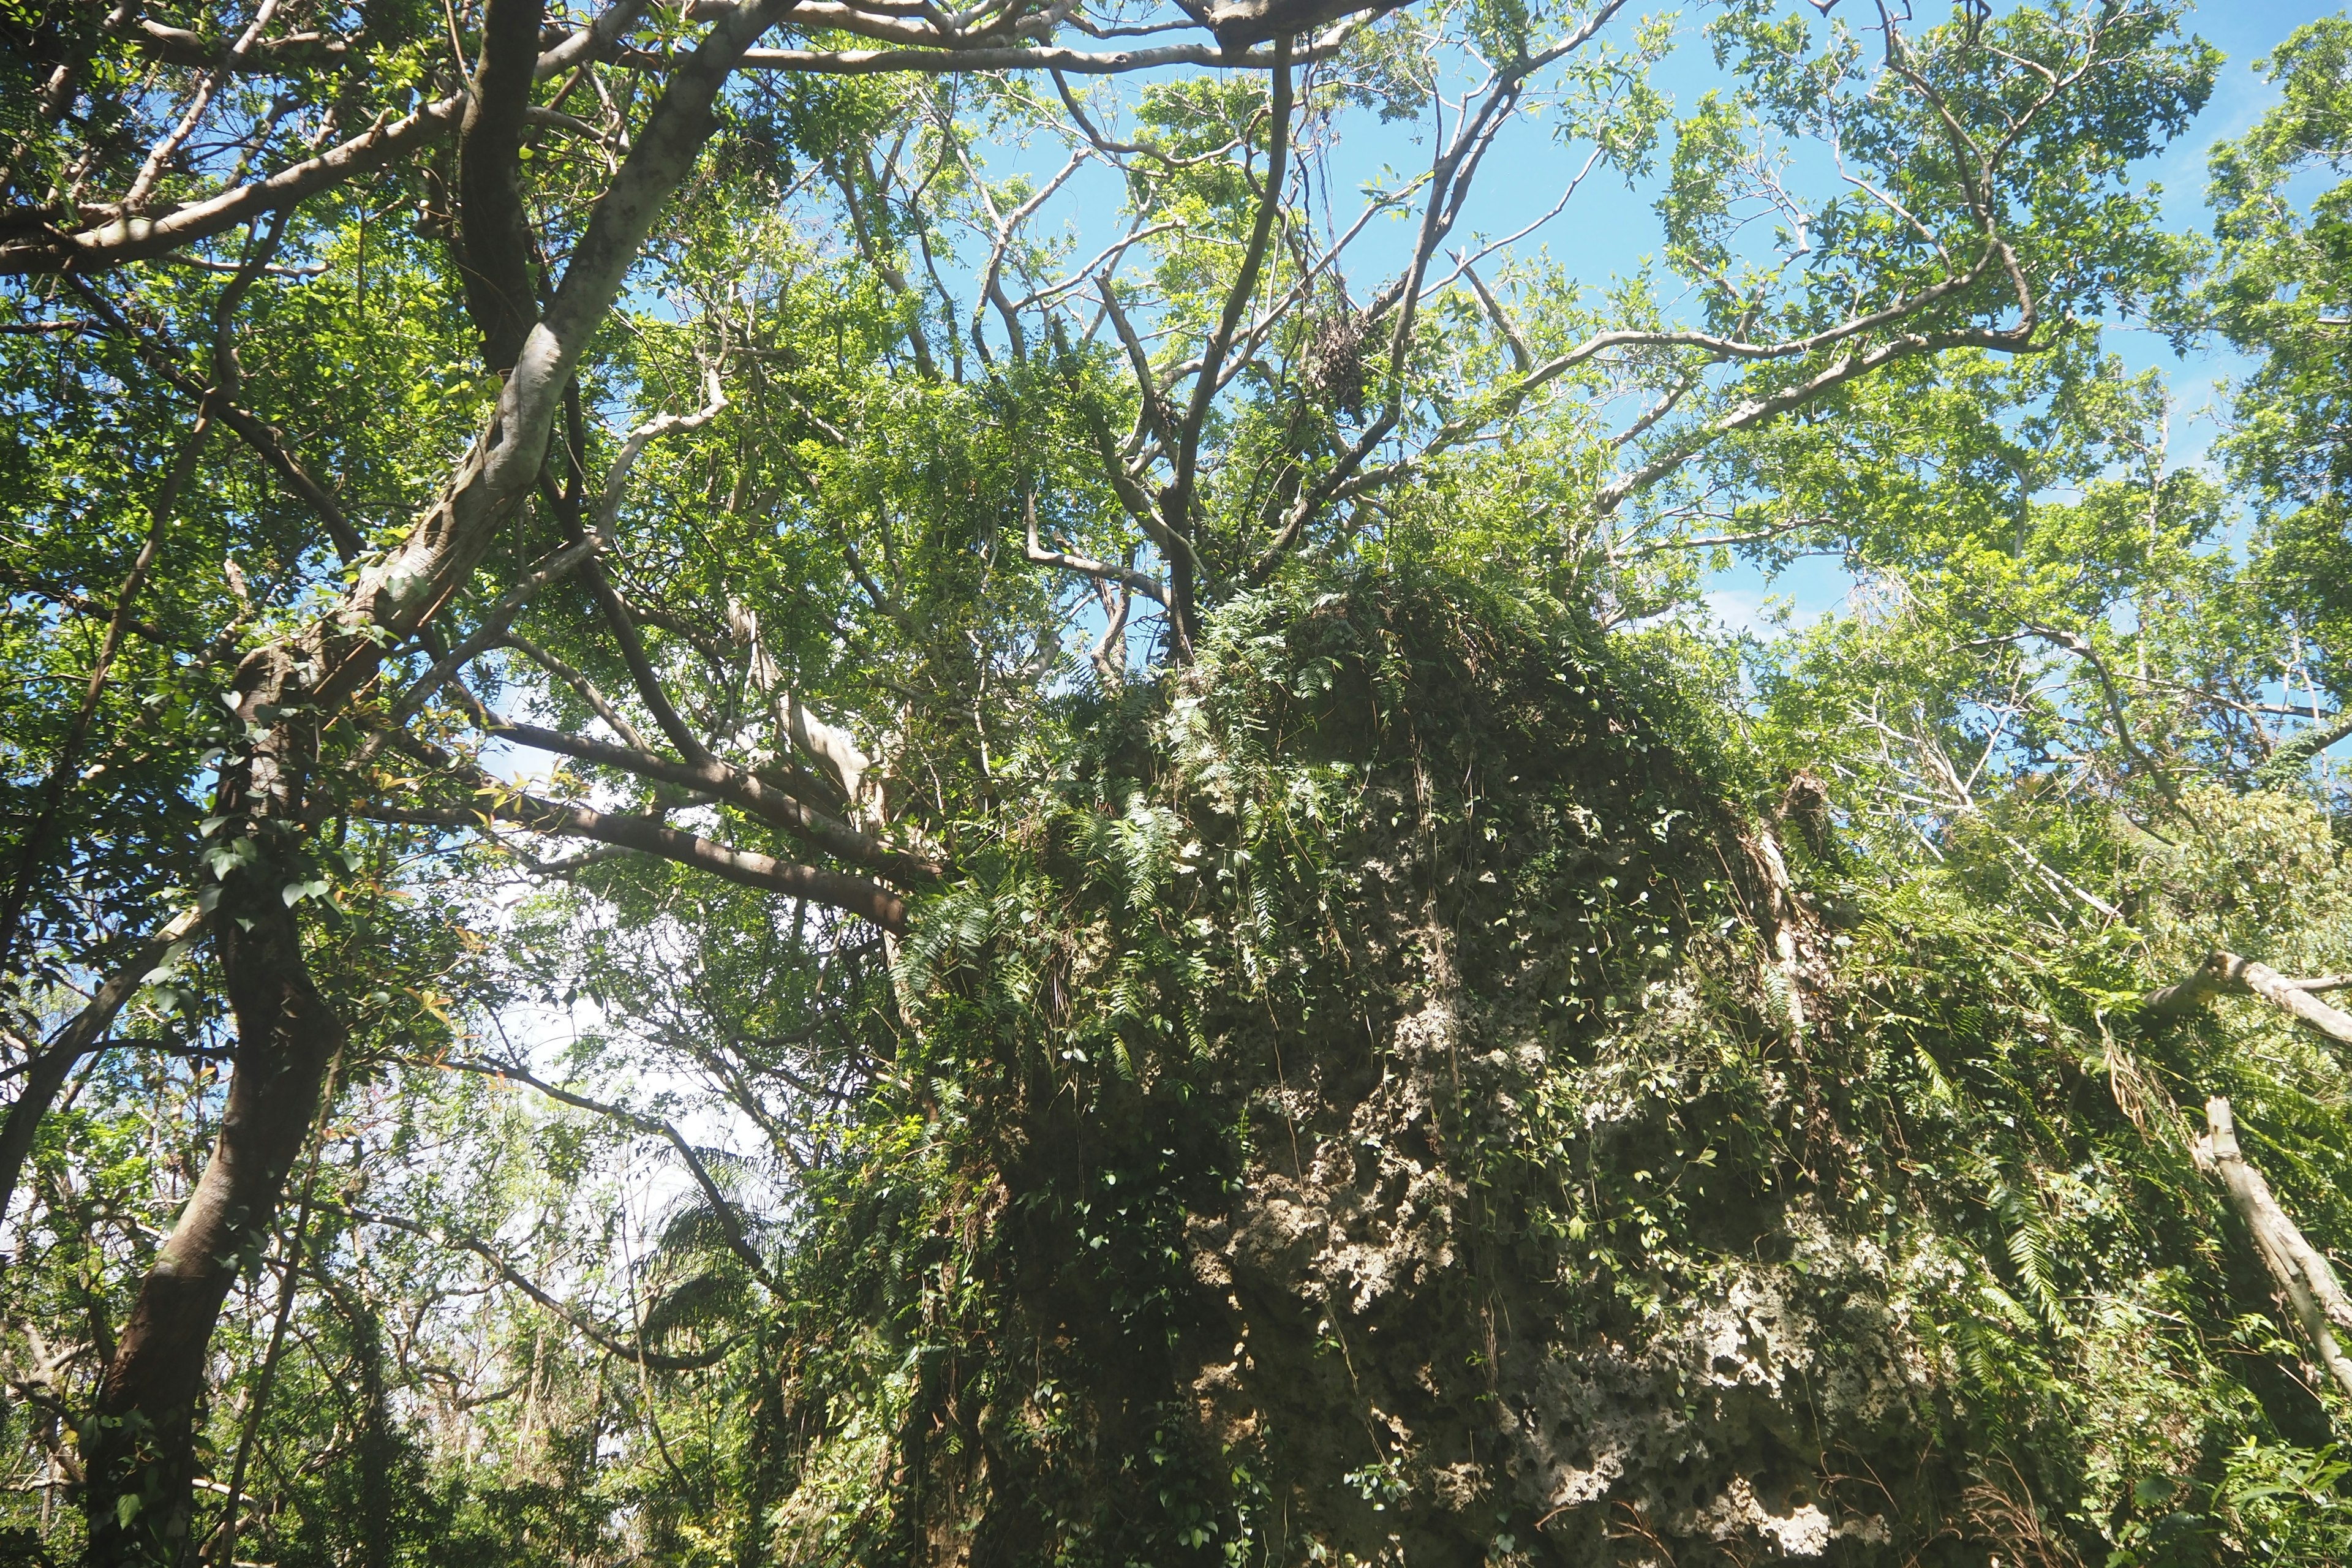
{"x":493,"y":627}
{"x":607,"y":1342}
{"x":2084,"y":648}
{"x":1755,"y":411}
{"x":2223,"y":970}
{"x":1176,"y":504}
{"x":650,"y":835}
{"x":152,"y":170}
{"x":1126,"y":576}
{"x":586,"y":689}
{"x":2300,"y":1268}
{"x":594,"y":41}
{"x":1109,"y":654}
{"x":717,"y":778}
{"x":295,"y":51}
{"x":616,"y":483}
{"x":132,"y":239}
{"x":1157,"y":418}
{"x":1521,"y":359}
{"x":1110,"y":256}
{"x":641,"y":668}
{"x":1450,"y":181}
{"x":992,"y":288}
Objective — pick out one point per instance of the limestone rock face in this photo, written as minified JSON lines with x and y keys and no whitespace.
{"x":1406,"y":1139}
{"x":1378,"y":1335}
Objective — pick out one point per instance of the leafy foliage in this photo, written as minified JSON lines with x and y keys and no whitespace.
{"x":1057,"y":905}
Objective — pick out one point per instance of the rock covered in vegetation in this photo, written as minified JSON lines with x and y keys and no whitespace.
{"x":1391,"y":1131}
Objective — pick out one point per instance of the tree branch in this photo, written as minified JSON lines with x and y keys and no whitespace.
{"x":616,"y":481}
{"x":2223,"y":970}
{"x":1450,"y":181}
{"x":715,"y":777}
{"x":2285,"y":766}
{"x":134,"y":238}
{"x":2301,"y":1270}
{"x":649,"y":835}
{"x":45,"y":1074}
{"x":295,"y":51}
{"x":586,"y":689}
{"x":515,"y":1277}
{"x":739,"y":1240}
{"x":37,"y":841}
{"x":495,"y":238}
{"x":642,"y":673}
{"x":284,"y":693}
{"x":1078,"y":62}
{"x":1034,"y":549}
{"x":493,"y":627}
{"x":1522,"y":360}
{"x":1176,"y":501}
{"x":267,"y":440}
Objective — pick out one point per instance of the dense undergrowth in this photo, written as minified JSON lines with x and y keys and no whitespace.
{"x":1384,"y":1106}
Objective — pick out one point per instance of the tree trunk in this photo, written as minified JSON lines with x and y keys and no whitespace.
{"x":138,"y":1448}
{"x":139,"y":1445}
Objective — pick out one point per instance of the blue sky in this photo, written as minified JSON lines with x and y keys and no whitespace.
{"x":2244,"y":33}
{"x":1609,"y":228}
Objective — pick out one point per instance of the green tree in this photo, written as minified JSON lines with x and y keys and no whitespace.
{"x":1169,"y":789}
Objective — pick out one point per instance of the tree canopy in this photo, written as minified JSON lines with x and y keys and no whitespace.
{"x":818,"y":781}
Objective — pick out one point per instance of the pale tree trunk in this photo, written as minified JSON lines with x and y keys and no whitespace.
{"x":2300,"y":1269}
